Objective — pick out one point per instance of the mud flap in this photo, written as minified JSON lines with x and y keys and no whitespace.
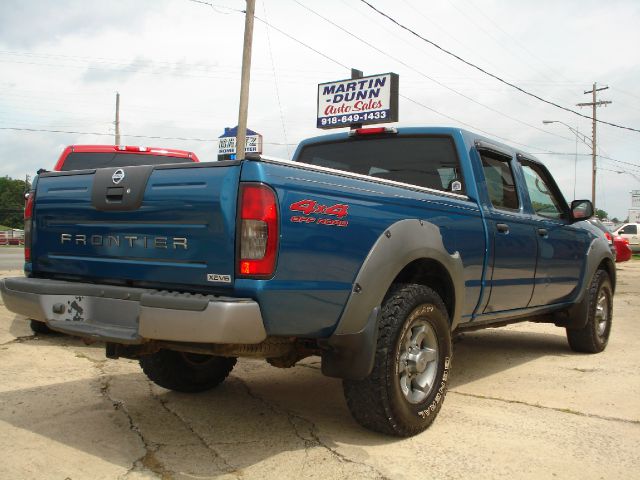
{"x":351,"y":356}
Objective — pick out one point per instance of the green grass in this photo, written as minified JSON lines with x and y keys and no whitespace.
{"x":3,"y":228}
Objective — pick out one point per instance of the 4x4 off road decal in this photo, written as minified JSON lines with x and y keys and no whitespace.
{"x":311,"y":209}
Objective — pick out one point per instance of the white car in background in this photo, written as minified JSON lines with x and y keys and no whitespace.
{"x":630,"y":231}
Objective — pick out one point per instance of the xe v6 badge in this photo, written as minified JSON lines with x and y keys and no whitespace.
{"x":117,"y":176}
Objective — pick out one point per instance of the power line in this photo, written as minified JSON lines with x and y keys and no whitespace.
{"x":275,"y":79}
{"x":301,"y":42}
{"x":496,"y":77}
{"x":403,"y":96}
{"x":464,"y":123}
{"x":216,"y":7}
{"x":103,"y":134}
{"x":427,"y":76}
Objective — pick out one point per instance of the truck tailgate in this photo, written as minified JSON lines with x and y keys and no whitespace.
{"x":172,"y":225}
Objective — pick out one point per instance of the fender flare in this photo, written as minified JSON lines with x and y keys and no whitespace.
{"x":576,"y":316}
{"x":351,"y":348}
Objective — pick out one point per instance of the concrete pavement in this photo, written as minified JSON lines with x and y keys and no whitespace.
{"x":520,"y":405}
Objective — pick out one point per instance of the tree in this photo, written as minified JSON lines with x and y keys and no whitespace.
{"x":601,"y":214}
{"x":12,"y":202}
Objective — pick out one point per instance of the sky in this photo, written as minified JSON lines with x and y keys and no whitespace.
{"x":177,"y":65}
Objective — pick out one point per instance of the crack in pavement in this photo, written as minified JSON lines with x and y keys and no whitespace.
{"x":315,"y":440}
{"x":228,"y":468}
{"x":22,"y":339}
{"x":148,"y":461}
{"x":544,"y":407}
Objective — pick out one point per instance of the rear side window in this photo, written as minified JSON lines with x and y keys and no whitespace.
{"x":84,"y":160}
{"x":629,"y":230}
{"x":427,"y":161}
{"x":500,"y":184}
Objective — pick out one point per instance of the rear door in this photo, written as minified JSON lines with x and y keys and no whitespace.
{"x":513,"y":237}
{"x":168,"y":225}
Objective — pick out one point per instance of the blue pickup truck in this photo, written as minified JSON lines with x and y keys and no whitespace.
{"x":370,"y":249}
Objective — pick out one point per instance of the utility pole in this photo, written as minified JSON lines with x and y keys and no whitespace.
{"x":241,"y":137}
{"x":594,"y":103}
{"x":117,"y":123}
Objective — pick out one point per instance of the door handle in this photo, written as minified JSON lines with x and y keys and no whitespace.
{"x":502,"y":227}
{"x":543,"y":232}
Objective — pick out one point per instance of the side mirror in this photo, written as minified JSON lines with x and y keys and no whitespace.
{"x":581,"y":209}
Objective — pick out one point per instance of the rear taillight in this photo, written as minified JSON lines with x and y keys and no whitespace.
{"x":258,"y":230}
{"x":28,"y":222}
{"x":609,"y":238}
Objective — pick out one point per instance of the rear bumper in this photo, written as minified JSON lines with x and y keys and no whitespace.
{"x":134,"y":315}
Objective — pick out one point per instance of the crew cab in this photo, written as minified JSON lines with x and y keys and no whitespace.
{"x":369,"y":249}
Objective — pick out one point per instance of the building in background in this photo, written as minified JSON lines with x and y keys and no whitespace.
{"x":634,"y":211}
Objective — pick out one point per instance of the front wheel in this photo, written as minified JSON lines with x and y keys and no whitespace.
{"x":594,"y":336}
{"x":405,"y":390}
{"x":186,"y":372}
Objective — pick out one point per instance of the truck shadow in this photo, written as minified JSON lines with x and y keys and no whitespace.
{"x":256,"y":415}
{"x":487,"y":352}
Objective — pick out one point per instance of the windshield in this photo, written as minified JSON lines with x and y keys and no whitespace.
{"x":83,"y":160}
{"x":426,"y":161}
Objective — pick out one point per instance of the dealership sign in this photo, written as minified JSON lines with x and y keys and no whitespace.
{"x":363,"y":100}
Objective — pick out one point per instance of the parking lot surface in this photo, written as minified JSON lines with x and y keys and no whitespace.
{"x":520,"y":405}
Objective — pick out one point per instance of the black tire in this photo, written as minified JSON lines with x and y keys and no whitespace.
{"x":593,"y":338}
{"x":386,"y":401}
{"x":186,"y":372}
{"x":40,"y":328}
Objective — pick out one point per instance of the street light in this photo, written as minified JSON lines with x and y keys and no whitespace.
{"x":584,"y":139}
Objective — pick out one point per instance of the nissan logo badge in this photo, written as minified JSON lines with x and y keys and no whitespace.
{"x":117,"y":176}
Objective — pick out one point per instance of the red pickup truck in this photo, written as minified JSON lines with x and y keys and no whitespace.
{"x":81,"y":157}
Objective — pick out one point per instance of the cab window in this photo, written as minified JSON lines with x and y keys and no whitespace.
{"x":543,"y":199}
{"x":629,"y":230}
{"x":425,"y":161}
{"x":500,"y":183}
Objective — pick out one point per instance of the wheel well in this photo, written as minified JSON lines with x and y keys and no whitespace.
{"x":432,"y":274}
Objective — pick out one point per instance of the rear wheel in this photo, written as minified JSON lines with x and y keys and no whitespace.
{"x":406,"y":388}
{"x":593,"y":338}
{"x":186,"y":372}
